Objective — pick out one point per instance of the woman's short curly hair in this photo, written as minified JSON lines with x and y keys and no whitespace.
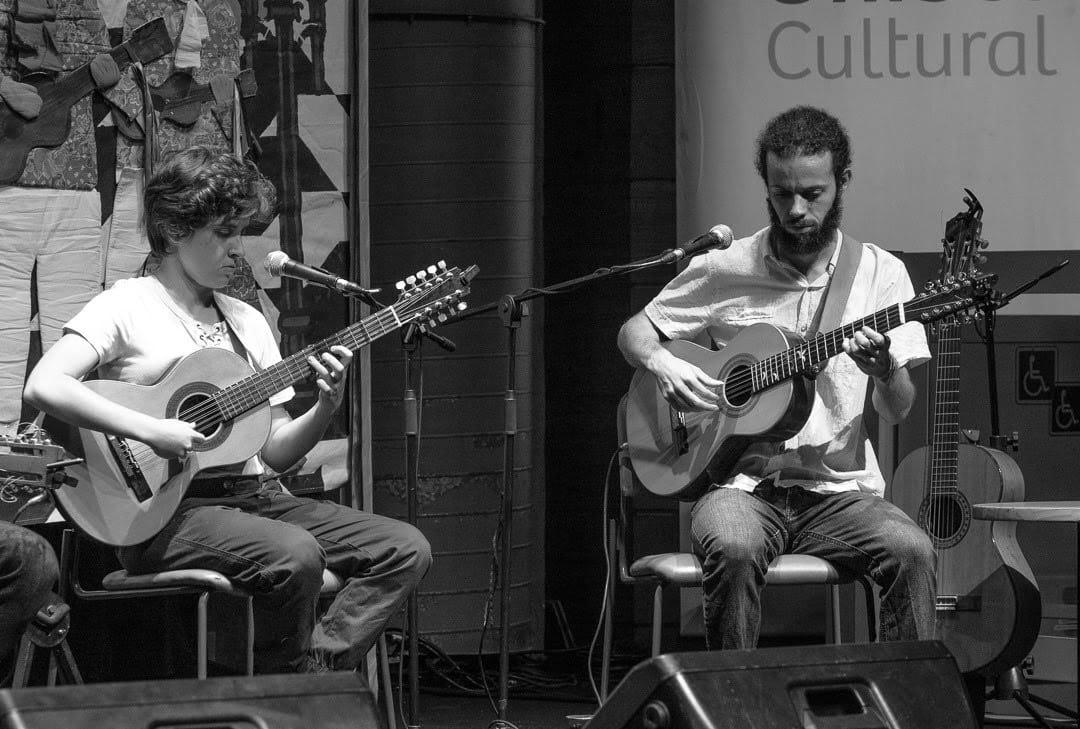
{"x":804,"y":130}
{"x":198,"y":186}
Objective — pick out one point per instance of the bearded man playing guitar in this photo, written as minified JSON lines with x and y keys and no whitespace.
{"x":818,"y":491}
{"x":232,"y":517}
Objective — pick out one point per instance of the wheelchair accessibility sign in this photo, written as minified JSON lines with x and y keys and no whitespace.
{"x":1065,"y":409}
{"x":1035,"y":374}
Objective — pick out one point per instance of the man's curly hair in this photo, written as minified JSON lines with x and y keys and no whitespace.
{"x":197,"y":186}
{"x":804,"y":130}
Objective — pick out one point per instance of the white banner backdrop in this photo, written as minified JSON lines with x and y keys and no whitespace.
{"x":937,"y":95}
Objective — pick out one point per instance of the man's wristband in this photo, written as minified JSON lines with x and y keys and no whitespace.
{"x":888,"y":375}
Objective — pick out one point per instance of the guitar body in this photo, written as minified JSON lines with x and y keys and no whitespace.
{"x":998,"y":608}
{"x":180,"y":98}
{"x":682,"y":458}
{"x":105,"y":501}
{"x":49,"y":129}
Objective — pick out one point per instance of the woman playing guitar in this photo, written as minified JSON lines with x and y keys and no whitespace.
{"x":233,"y":518}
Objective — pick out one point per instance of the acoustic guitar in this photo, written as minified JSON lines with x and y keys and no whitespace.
{"x":988,"y":607}
{"x":125,"y":493}
{"x":180,"y":98}
{"x":50,"y":128}
{"x":767,"y":393}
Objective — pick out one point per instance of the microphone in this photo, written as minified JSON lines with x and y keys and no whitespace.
{"x":718,"y":237}
{"x":278,"y":263}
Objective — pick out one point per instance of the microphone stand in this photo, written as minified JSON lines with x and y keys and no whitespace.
{"x":510,"y":311}
{"x":411,"y":340}
{"x":410,"y":344}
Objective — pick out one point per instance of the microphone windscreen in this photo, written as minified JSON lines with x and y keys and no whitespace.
{"x":275,"y":262}
{"x":724,"y":234}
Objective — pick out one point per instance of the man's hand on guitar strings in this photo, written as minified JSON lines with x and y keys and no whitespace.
{"x":870,"y":352}
{"x":330,"y":369}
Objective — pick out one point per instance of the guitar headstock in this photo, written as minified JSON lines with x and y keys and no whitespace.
{"x":962,"y":295}
{"x":960,"y":256}
{"x":150,"y":41}
{"x":434,"y":294}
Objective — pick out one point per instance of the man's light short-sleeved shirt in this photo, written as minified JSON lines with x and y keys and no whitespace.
{"x":722,"y":292}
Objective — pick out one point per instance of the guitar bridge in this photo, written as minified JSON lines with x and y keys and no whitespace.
{"x":958,"y":604}
{"x":679,"y":436}
{"x":133,"y":475}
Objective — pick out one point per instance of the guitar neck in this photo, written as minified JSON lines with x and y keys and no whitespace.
{"x":74,"y":85}
{"x":257,"y":388}
{"x":197,"y":95}
{"x":946,"y":425}
{"x":799,"y":360}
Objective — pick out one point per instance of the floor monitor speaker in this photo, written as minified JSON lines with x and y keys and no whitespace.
{"x":907,"y":685}
{"x":325,"y":701}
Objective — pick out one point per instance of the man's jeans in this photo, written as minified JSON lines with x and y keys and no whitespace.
{"x":276,"y":545}
{"x":28,"y":571}
{"x":737,"y":534}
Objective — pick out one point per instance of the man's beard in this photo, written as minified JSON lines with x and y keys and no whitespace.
{"x":812,"y":241}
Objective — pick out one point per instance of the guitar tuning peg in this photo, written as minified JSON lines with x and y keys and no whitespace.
{"x":432,"y":270}
{"x":421,"y":274}
{"x":461,"y":306}
{"x":442,"y":318}
{"x":411,"y":280}
{"x":400,"y":285}
{"x":441,"y":265}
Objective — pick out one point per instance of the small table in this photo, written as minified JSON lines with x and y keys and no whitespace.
{"x":1063,"y":511}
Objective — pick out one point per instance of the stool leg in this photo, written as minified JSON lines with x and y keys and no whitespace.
{"x":832,"y":605}
{"x":388,"y":690}
{"x":200,"y":638}
{"x":657,"y":617}
{"x":250,"y":653}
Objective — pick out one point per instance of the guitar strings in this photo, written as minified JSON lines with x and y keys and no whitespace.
{"x":742,"y":384}
{"x":944,"y":467}
{"x":207,"y":414}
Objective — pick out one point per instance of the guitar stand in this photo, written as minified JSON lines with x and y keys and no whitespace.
{"x":1013,"y":685}
{"x":49,"y":629}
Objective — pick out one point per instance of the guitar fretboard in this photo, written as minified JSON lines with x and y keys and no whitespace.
{"x":946,"y":425}
{"x":257,"y":388}
{"x":811,"y":353}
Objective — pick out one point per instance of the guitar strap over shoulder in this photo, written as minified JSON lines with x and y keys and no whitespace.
{"x":831,"y":311}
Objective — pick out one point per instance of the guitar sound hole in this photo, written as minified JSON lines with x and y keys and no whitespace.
{"x":199,"y":408}
{"x":945,"y":518}
{"x":738,"y":386}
